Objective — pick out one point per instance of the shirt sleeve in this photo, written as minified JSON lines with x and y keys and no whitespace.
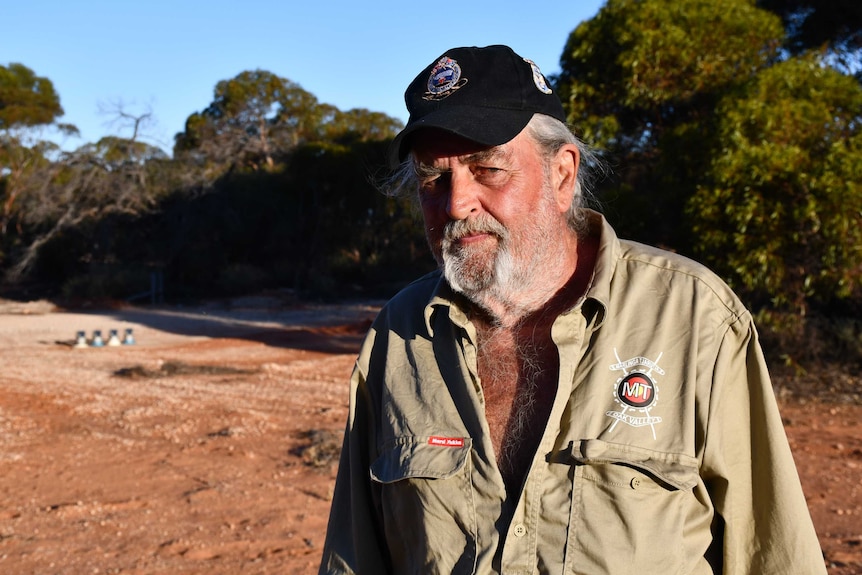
{"x":354,"y":538}
{"x":762,"y":521}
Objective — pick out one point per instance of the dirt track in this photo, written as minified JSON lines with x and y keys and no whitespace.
{"x":207,"y":446}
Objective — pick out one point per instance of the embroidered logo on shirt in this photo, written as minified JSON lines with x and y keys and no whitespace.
{"x":636,"y":391}
{"x":446,"y":441}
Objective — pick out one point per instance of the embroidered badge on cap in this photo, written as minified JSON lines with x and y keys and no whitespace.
{"x":445,"y":78}
{"x":636,"y":391}
{"x":539,"y":78}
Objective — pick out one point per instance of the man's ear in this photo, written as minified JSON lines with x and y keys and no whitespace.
{"x":564,"y":175}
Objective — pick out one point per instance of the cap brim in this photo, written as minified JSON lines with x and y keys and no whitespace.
{"x":486,"y":126}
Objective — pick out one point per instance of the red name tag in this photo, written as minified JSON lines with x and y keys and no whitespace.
{"x":447,"y":441}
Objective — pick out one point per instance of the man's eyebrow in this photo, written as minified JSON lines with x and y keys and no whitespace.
{"x":495,"y":153}
{"x":424,"y":170}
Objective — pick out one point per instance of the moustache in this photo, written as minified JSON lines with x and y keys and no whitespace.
{"x":484,"y":224}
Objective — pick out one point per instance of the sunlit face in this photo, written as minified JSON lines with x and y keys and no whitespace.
{"x":490,"y":214}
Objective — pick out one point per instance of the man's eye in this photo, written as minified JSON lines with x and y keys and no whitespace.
{"x":433,"y":184}
{"x":489,"y":174}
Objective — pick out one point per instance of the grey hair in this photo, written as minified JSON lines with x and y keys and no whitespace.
{"x":550,"y":135}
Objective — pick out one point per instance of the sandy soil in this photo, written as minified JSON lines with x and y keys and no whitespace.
{"x":208,"y":445}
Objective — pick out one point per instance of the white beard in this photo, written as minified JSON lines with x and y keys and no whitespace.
{"x":509,"y":274}
{"x":468,"y":270}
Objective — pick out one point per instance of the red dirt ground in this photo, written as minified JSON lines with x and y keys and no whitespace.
{"x":207,"y":447}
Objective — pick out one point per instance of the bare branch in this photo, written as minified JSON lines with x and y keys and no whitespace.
{"x":121,"y":118}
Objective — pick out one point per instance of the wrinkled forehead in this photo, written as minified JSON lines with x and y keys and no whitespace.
{"x":430,"y":146}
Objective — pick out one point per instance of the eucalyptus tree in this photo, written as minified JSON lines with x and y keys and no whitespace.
{"x":641,"y":81}
{"x":781,"y":213}
{"x":26,"y":99}
{"x":28,"y":103}
{"x":725,"y":145}
{"x":253,"y":118}
{"x":114,"y":177}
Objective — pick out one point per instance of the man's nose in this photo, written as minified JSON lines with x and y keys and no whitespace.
{"x":463,"y":196}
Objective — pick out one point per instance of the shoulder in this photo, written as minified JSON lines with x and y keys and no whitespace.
{"x":405,"y":311}
{"x":658,"y":271}
{"x":414,"y":297}
{"x":401,"y":323}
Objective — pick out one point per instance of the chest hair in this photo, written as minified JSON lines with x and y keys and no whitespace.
{"x":519,"y":374}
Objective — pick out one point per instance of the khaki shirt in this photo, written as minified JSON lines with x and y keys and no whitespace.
{"x":664,"y":452}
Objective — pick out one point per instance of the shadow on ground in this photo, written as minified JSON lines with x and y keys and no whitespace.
{"x":327,"y":328}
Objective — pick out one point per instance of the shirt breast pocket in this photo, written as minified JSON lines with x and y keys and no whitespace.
{"x":628,"y":508}
{"x":427,"y":503}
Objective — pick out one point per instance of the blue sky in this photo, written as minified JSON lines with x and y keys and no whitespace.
{"x":166,"y":57}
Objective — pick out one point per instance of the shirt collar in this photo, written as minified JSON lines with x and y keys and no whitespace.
{"x":444,"y":298}
{"x":599,"y":289}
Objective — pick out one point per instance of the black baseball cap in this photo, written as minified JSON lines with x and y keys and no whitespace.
{"x":486,"y":95}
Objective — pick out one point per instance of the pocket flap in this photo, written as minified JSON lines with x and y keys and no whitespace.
{"x":675,"y":469}
{"x":421,"y":457}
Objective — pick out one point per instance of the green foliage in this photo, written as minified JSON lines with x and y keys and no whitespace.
{"x":641,"y":81}
{"x":257,"y":119}
{"x":67,"y":213}
{"x":642,"y":65}
{"x":315,"y":224}
{"x":268,"y":187}
{"x":113,"y":152}
{"x":784,"y":205}
{"x":26,"y":99}
{"x":728,"y":148}
{"x":251,"y":115}
{"x":360,"y":125}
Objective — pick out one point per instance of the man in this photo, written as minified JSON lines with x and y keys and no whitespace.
{"x":554,"y":399}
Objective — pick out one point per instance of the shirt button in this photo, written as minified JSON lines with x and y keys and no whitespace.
{"x":635,"y":482}
{"x":519,"y":530}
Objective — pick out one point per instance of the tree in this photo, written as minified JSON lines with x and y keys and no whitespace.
{"x":113,"y":177}
{"x":641,"y":81}
{"x":640,"y":66}
{"x":733,"y":149}
{"x":26,"y":100}
{"x":341,"y":220}
{"x":286,"y":184}
{"x":21,"y":168}
{"x":782,"y":215}
{"x":360,"y":125}
{"x":252,"y":117}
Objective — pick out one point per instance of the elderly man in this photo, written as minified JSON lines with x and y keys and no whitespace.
{"x":554,"y":399}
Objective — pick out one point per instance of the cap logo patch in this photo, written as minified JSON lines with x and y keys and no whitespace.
{"x":539,"y":78}
{"x":444,"y":80}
